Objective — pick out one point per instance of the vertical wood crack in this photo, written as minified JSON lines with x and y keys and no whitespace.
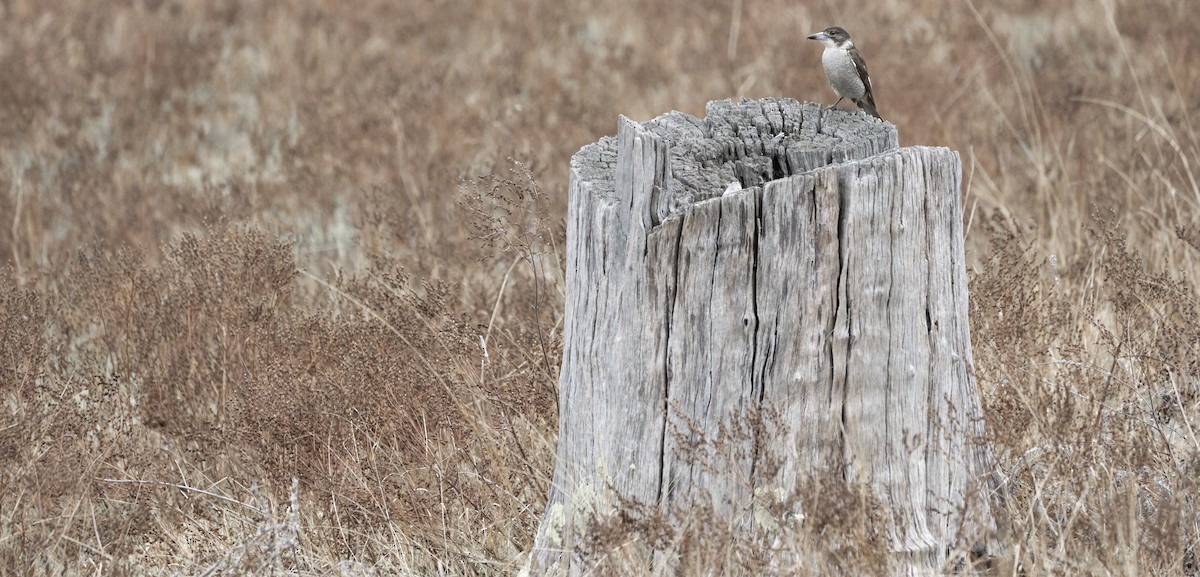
{"x":663,"y":472}
{"x":754,"y":342}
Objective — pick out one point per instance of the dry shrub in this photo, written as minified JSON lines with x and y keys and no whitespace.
{"x":823,"y":525}
{"x":376,"y":405}
{"x":1092,"y":404}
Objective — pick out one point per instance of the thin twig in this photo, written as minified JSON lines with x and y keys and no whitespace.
{"x":183,"y":488}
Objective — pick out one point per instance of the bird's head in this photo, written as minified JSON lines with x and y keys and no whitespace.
{"x":833,"y":37}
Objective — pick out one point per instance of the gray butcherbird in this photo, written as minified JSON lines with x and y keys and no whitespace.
{"x":845,"y":69}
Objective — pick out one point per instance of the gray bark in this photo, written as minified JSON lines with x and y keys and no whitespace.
{"x":830,"y":292}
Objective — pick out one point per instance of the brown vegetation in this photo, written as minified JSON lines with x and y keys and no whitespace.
{"x":246,"y":243}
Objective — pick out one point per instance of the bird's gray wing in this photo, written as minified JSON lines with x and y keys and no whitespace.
{"x":867,"y":102}
{"x":861,"y":66}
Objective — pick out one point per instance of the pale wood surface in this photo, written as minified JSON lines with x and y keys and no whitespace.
{"x":831,"y":290}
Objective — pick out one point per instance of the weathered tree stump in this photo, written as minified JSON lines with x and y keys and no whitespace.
{"x":830,"y":290}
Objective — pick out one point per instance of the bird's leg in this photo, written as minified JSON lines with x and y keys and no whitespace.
{"x":839,"y":100}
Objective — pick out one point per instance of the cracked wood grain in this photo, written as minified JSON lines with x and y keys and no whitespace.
{"x":829,"y":292}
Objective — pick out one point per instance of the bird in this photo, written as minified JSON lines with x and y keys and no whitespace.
{"x":845,"y":69}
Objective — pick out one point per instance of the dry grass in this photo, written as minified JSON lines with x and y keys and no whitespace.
{"x":235,"y":254}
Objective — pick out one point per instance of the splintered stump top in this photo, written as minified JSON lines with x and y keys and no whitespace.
{"x":750,"y":142}
{"x":724,"y":346}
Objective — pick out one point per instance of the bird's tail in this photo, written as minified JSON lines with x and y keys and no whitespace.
{"x":868,"y":105}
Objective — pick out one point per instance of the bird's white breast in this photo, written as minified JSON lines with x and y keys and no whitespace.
{"x":842,"y":74}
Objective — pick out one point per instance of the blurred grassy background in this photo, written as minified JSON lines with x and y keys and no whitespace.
{"x":246,"y":242}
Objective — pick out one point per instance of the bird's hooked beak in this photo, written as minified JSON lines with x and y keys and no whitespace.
{"x":819,"y":36}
